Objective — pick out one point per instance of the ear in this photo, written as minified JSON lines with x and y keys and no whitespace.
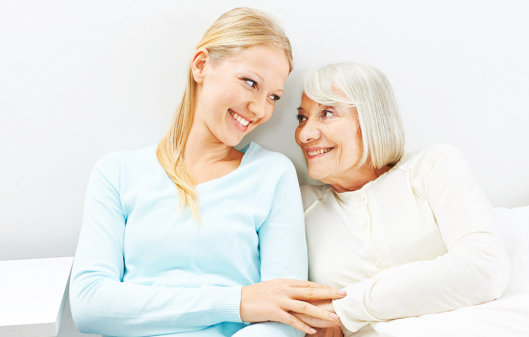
{"x":198,"y":65}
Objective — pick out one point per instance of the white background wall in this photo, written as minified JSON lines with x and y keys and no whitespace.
{"x":79,"y":79}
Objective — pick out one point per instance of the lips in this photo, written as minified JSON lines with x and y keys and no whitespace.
{"x":240,"y":121}
{"x":318,"y":152}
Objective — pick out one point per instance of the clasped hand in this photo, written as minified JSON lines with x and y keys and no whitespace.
{"x":301,"y":304}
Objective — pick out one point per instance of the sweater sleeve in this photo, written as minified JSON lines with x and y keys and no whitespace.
{"x":282,"y":246}
{"x":101,"y":303}
{"x":474,"y":270}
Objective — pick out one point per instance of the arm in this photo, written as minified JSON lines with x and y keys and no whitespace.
{"x":474,"y":270}
{"x":282,"y":248}
{"x":101,"y":303}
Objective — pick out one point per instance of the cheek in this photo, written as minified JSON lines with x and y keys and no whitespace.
{"x":223,"y":93}
{"x":358,"y":140}
{"x":231,"y":96}
{"x":346,"y":139}
{"x":353,"y":149}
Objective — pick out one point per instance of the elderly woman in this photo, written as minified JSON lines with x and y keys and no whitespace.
{"x":403,"y":234}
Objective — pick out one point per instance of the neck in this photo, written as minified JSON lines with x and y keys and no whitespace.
{"x":357,"y":178}
{"x":203,"y":149}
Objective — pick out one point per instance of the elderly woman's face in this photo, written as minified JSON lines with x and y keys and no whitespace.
{"x":330,"y":138}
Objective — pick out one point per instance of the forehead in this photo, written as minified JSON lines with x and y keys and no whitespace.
{"x":268,"y":62}
{"x":310,"y":106}
{"x":309,"y":103}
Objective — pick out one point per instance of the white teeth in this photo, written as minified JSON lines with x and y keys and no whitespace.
{"x":239,"y":119}
{"x":320,"y":151}
{"x":242,"y":121}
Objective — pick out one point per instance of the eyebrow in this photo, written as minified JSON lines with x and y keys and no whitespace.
{"x":256,"y":74}
{"x":321,"y":106}
{"x":280,"y":90}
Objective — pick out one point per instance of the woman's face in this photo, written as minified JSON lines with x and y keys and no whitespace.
{"x":331,"y":140}
{"x":239,"y":92}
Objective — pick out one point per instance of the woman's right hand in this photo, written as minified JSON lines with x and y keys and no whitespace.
{"x":277,"y":300}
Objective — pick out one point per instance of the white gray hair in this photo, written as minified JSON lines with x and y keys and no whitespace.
{"x":368,"y":90}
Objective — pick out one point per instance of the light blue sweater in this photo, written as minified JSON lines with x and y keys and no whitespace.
{"x":143,"y":267}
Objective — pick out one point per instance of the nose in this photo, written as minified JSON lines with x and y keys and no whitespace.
{"x":258,"y":106}
{"x":308,"y":132}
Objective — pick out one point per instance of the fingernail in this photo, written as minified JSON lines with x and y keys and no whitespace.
{"x":342,"y":292}
{"x":312,"y":331}
{"x":333,"y":316}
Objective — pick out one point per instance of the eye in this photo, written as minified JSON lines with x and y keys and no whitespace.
{"x":274,"y":97}
{"x":250,"y":82}
{"x":327,"y":114}
{"x":301,"y":118}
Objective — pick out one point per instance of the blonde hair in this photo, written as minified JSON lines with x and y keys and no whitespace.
{"x":234,"y":30}
{"x":368,"y":90}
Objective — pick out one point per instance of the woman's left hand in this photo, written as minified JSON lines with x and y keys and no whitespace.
{"x":317,"y":322}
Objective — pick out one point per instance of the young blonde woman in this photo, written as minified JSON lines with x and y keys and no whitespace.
{"x":193,"y":237}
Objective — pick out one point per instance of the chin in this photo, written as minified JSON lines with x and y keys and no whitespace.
{"x":231,"y":142}
{"x":315,"y":175}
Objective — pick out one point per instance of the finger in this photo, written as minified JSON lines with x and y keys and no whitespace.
{"x":295,"y":322}
{"x":311,"y":310}
{"x":317,"y":322}
{"x":319,"y":333}
{"x":314,"y":334}
{"x":317,"y":293}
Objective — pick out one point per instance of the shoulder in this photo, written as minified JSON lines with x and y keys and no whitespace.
{"x":442,"y":151}
{"x":112,"y":165}
{"x":263,"y":154}
{"x":438,"y":165}
{"x":436,"y":156}
{"x":269,"y":161}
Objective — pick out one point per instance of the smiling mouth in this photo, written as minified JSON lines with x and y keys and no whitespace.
{"x":243,"y":122}
{"x":319,"y":152}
